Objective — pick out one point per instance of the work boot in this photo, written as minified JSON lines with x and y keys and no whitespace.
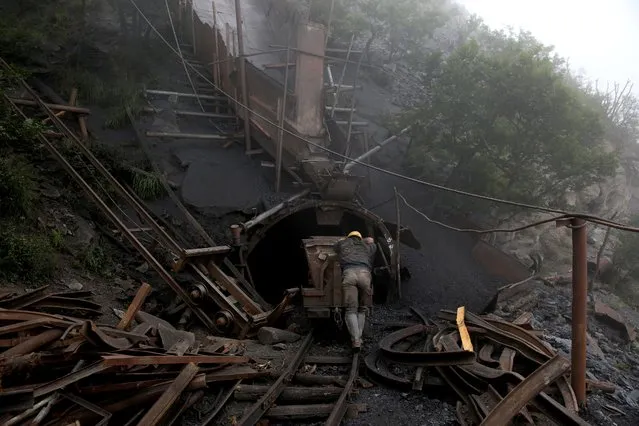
{"x":352,"y":325}
{"x":361,"y":320}
{"x":356,"y":345}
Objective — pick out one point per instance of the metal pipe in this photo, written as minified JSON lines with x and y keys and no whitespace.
{"x":270,"y":212}
{"x":374,"y":150}
{"x":341,"y":78}
{"x":396,"y":257}
{"x":236,"y":234}
{"x":243,"y":80}
{"x":185,"y":95}
{"x":579,"y":308}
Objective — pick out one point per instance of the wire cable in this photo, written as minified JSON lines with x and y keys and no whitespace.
{"x":528,"y":206}
{"x":482,"y":231}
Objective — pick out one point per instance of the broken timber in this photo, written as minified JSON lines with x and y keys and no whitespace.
{"x":55,"y":107}
{"x":168,"y":398}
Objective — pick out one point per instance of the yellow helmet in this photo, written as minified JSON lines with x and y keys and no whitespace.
{"x":355,"y":234}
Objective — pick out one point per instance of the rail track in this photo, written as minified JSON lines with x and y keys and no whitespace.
{"x":296,"y":394}
{"x":237,"y":311}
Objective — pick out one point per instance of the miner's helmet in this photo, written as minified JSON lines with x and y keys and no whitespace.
{"x":355,"y":234}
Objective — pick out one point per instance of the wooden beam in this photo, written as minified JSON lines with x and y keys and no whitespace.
{"x":168,"y":398}
{"x":55,"y":107}
{"x":134,"y":307}
{"x":128,"y":360}
{"x":206,"y":251}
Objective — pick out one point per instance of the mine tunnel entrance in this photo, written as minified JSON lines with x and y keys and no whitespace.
{"x":278,"y":261}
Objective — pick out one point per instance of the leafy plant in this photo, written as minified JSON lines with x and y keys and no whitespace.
{"x":16,"y":187}
{"x":147,"y":185}
{"x":504,"y":118}
{"x":95,"y":259}
{"x":25,"y":255}
{"x":57,"y":239}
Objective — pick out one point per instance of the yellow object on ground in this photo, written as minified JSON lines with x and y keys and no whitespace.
{"x":463,"y":331}
{"x":355,"y":234}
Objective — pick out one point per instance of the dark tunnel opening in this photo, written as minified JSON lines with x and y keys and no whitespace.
{"x":278,"y":261}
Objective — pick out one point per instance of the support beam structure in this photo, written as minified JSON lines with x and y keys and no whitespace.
{"x":243,"y":80}
{"x":579,"y":308}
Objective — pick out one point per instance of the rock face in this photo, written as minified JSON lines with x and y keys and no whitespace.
{"x":616,"y":196}
{"x":611,"y":357}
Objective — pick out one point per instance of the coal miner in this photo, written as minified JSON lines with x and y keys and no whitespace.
{"x":356,"y":255}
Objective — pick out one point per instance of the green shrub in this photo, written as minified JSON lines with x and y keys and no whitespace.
{"x":147,"y":185}
{"x":24,"y":255}
{"x":95,"y":259}
{"x":16,"y":187}
{"x":57,"y":239}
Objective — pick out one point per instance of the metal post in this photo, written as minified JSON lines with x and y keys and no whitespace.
{"x":328,"y":24}
{"x":193,"y":37}
{"x":280,"y":132}
{"x":579,"y":305}
{"x":341,"y":78}
{"x":243,"y":81}
{"x":397,"y":235}
{"x":216,"y":52}
{"x":350,"y":115}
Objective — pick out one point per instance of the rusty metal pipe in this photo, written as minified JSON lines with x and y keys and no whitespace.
{"x":367,"y":154}
{"x":236,"y":233}
{"x":265,"y":215}
{"x":243,"y":80}
{"x":579,"y":307}
{"x":34,"y":343}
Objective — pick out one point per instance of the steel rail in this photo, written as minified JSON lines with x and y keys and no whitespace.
{"x":253,"y":414}
{"x":421,"y":358}
{"x":153,"y":262}
{"x":517,"y":399}
{"x":339,"y":409}
{"x":141,"y":210}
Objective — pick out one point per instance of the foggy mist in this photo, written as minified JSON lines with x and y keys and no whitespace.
{"x":597,"y":37}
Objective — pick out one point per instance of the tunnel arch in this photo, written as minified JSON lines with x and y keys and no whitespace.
{"x":274,"y":250}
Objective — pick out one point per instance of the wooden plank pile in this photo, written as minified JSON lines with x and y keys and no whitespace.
{"x":59,"y":366}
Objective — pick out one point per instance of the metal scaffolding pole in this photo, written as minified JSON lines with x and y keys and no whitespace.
{"x":341,"y":78}
{"x":579,"y":308}
{"x":243,"y":80}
